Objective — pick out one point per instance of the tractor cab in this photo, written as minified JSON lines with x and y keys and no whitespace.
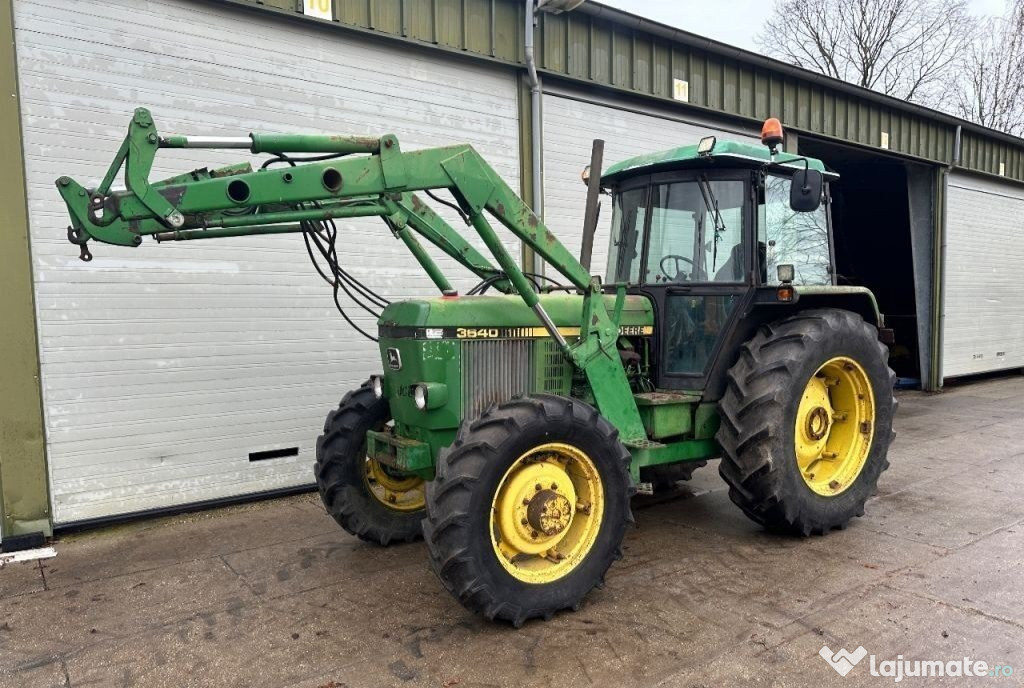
{"x":705,"y":231}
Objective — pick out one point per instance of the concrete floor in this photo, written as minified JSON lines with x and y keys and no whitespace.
{"x":274,"y":594}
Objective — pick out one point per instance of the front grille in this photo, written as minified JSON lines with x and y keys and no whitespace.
{"x":554,"y":368}
{"x":496,"y":370}
{"x":493,"y":371}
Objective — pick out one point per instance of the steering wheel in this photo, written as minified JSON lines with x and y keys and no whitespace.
{"x":676,"y":260}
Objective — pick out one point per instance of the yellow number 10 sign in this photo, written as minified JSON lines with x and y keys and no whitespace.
{"x":323,"y":9}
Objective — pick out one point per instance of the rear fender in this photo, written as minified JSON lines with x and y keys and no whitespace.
{"x":765,"y":308}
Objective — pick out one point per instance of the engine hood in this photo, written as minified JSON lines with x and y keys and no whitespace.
{"x":444,"y":318}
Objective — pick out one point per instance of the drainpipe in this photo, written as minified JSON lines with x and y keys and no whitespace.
{"x":939,"y":302}
{"x":535,"y":124}
{"x":956,"y":148}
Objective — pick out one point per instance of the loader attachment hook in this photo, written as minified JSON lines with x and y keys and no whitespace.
{"x":75,"y":237}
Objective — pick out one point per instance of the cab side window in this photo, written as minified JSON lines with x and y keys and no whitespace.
{"x":789,"y":237}
{"x":628,"y":217}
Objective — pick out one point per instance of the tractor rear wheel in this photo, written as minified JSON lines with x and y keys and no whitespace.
{"x":529,"y":508}
{"x":366,"y":498}
{"x":807,"y":421}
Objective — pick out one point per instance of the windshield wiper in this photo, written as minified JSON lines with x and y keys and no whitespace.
{"x":711,"y":203}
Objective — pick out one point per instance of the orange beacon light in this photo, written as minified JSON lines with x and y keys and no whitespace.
{"x":771,"y":134}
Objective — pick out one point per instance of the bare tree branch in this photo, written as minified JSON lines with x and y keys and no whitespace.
{"x":991,"y":70}
{"x":904,"y":48}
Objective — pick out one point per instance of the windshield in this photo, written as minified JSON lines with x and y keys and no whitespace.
{"x":696,"y":233}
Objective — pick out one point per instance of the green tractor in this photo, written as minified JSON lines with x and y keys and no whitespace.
{"x":510,"y":430}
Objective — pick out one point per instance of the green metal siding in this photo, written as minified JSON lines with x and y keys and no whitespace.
{"x":644,"y":64}
{"x":983,"y":154}
{"x":725,"y":83}
{"x":481,"y":27}
{"x":595,"y":46}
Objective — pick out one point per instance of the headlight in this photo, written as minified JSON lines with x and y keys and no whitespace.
{"x":429,"y":395}
{"x":377,"y":383}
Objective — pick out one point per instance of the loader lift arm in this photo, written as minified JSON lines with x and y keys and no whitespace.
{"x":382,"y":182}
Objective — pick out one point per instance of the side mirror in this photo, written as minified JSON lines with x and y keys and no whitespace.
{"x":805,"y":193}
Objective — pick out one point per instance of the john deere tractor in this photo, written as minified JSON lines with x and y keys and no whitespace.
{"x":510,"y":429}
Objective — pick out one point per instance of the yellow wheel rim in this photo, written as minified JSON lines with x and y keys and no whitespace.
{"x":546,"y":513}
{"x":835,"y":423}
{"x":395,"y":491}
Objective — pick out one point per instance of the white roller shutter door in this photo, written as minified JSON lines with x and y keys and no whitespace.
{"x":570,"y":127}
{"x":983,"y":314}
{"x":163,"y":367}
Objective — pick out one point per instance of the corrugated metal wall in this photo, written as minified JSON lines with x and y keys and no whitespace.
{"x":486,"y":28}
{"x":164,"y":366}
{"x":601,"y":47}
{"x":589,"y":48}
{"x":992,"y":156}
{"x":983,"y":312}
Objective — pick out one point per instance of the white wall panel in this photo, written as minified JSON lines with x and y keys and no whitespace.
{"x":570,"y":127}
{"x":983,"y":309}
{"x":164,"y":366}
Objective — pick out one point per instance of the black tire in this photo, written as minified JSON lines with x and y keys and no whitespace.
{"x":758,"y":413}
{"x":341,"y":468}
{"x":459,"y":503}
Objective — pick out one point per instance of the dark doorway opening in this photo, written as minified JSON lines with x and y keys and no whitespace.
{"x":873,"y":220}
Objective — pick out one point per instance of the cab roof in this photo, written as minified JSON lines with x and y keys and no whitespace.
{"x":725,"y":153}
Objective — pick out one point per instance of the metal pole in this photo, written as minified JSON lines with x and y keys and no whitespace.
{"x":206,"y":142}
{"x":224,"y":232}
{"x":593,"y":207}
{"x":516,"y":277}
{"x":956,"y":147}
{"x":536,"y":140}
{"x":329,"y":212}
{"x":278,"y":143}
{"x":424,"y":259}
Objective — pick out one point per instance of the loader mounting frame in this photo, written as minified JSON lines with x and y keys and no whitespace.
{"x":237,"y":201}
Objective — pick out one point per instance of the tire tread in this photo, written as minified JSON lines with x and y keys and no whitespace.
{"x":752,"y":410}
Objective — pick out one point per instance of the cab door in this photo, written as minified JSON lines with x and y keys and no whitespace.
{"x":696,"y":270}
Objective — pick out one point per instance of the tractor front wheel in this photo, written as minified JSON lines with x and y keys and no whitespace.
{"x":529,"y":508}
{"x":366,"y":498}
{"x":807,"y":421}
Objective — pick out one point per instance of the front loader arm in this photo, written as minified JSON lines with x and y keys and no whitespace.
{"x":382,"y":182}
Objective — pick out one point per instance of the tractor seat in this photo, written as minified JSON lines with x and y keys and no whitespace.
{"x":732,"y":269}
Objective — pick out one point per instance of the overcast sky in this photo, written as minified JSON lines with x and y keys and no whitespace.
{"x":731,"y":21}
